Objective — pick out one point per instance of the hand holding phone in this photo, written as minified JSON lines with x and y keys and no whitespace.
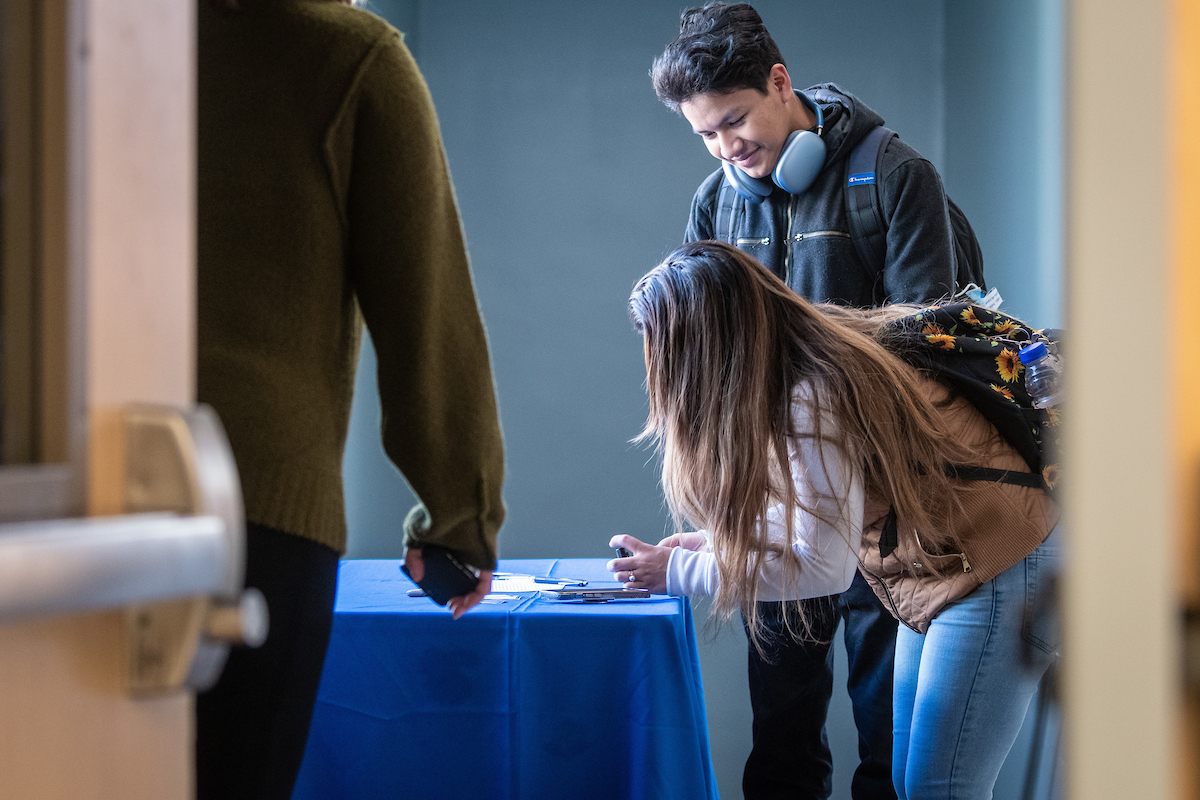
{"x":445,"y":576}
{"x":638,"y":564}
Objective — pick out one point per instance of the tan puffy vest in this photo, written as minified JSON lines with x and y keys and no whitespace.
{"x":1001,"y":525}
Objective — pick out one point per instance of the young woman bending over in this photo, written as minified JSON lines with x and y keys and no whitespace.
{"x":805,"y":449}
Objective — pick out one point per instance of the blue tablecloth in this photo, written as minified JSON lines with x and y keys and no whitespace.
{"x":531,"y":699}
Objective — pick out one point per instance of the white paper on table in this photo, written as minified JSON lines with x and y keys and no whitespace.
{"x":513,"y":582}
{"x":498,"y":598}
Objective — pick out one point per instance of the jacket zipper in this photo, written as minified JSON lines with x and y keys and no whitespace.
{"x":888,"y":594}
{"x":733,"y":218}
{"x":799,"y":237}
{"x":961,"y":556}
{"x":787,"y":254}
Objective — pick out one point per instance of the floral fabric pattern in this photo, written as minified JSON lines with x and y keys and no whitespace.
{"x":976,"y":351}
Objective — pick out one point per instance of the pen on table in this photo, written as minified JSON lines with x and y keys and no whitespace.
{"x":560,"y":581}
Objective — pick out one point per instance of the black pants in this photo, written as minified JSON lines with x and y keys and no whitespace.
{"x":790,"y":691}
{"x":252,"y":726}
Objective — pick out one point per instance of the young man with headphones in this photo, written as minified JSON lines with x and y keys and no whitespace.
{"x":780,"y":195}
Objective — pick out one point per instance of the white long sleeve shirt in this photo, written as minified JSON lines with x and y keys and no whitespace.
{"x":826,"y":543}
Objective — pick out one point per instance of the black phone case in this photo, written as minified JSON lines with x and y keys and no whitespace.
{"x":445,"y":576}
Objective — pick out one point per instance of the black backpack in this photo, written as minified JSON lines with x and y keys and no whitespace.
{"x":869,"y":229}
{"x":974,"y":350}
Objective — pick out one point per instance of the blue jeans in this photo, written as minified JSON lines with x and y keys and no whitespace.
{"x":962,"y":689}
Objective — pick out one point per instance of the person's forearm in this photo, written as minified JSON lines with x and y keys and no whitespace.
{"x":825,"y":571}
{"x":692,"y":573}
{"x":412,"y":280}
{"x":825,"y":532}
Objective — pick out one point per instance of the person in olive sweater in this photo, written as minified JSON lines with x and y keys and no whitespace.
{"x":325,"y":201}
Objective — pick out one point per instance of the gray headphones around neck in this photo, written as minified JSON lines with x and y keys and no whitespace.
{"x":799,"y":162}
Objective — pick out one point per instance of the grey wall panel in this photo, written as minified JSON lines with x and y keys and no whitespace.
{"x":1004,"y":134}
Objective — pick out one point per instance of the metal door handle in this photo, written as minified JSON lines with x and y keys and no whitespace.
{"x":78,"y":565}
{"x":175,"y":561}
{"x":244,"y":623}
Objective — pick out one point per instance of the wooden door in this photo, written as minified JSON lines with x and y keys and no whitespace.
{"x":1133,"y":508}
{"x":109,"y":120}
{"x":1183,"y":91}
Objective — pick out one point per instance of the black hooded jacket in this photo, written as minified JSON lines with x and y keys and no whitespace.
{"x":805,"y":238}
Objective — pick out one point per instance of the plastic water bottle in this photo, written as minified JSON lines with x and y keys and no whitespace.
{"x":1042,"y":378}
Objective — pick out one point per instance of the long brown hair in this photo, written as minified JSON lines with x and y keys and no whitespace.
{"x":727,"y":344}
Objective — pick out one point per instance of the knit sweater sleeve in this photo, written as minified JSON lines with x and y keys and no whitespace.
{"x":409,"y":271}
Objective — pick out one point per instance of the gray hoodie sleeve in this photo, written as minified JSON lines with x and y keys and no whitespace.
{"x":920,"y":262}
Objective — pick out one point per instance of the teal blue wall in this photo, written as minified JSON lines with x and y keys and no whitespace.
{"x":573,"y":181}
{"x":1004,"y":125}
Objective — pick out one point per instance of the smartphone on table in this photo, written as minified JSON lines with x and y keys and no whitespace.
{"x":595,"y":595}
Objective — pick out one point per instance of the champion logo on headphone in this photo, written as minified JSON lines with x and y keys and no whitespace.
{"x":801,"y":159}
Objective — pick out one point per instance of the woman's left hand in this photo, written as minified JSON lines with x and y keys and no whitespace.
{"x":645,"y":569}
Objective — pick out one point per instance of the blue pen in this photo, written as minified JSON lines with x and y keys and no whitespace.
{"x":560,"y":581}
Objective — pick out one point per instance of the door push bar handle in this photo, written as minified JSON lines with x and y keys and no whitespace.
{"x":174,"y":561}
{"x":94,"y":563}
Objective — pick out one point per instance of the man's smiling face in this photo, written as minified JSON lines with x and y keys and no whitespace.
{"x":745,"y":127}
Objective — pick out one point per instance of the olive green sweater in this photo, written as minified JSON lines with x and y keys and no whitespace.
{"x":325,"y":200}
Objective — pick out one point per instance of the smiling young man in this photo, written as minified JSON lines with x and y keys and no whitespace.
{"x":727,"y":77}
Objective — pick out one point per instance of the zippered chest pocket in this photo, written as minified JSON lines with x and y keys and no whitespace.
{"x":763,"y":241}
{"x":800,"y":237}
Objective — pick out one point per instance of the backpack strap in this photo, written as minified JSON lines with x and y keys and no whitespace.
{"x":1031,"y":480}
{"x":727,"y":198}
{"x":889,"y":537}
{"x":864,"y":211}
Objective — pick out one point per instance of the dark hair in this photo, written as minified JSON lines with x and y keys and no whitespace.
{"x":721,"y":47}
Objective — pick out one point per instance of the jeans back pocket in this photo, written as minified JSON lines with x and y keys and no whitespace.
{"x":1040,"y":626}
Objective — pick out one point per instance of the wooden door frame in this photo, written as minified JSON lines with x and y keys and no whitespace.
{"x":1121,"y":601}
{"x":44,"y":454}
{"x":70,"y":729}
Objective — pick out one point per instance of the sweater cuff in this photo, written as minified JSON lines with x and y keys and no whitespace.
{"x":691,"y":573}
{"x":464,"y":539}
